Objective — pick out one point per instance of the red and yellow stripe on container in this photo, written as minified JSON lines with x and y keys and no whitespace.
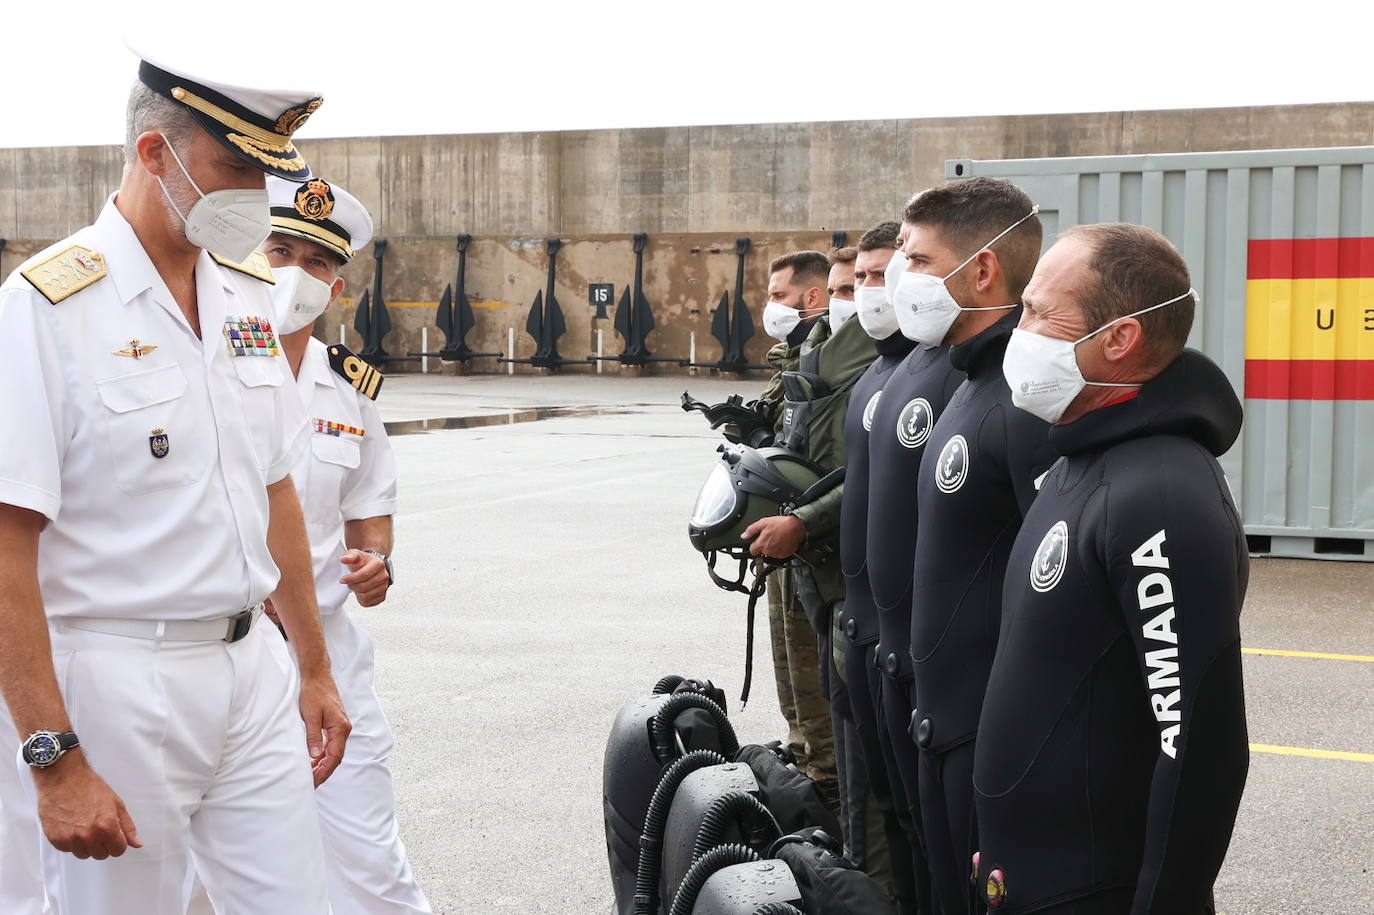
{"x":1309,"y":319}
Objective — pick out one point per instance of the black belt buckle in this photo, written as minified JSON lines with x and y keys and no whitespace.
{"x":240,"y":624}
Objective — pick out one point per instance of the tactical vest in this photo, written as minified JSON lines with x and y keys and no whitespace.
{"x":816,"y":394}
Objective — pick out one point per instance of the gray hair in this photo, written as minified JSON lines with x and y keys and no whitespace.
{"x":149,"y":111}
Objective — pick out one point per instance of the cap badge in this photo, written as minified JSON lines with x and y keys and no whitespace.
{"x":158,"y":443}
{"x":136,"y":349}
{"x":315,"y":200}
{"x":293,"y":119}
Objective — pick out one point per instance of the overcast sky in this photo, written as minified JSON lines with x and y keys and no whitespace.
{"x":405,"y":67}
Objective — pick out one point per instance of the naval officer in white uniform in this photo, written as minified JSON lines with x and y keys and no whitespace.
{"x":146,"y":507}
{"x":346,"y":479}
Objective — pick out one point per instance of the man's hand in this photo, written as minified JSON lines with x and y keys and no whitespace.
{"x":80,"y":813}
{"x":367,"y":578}
{"x":777,"y":536}
{"x":326,"y":725}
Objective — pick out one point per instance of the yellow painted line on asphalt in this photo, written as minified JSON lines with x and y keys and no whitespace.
{"x":1313,"y":754}
{"x":1368,"y":659}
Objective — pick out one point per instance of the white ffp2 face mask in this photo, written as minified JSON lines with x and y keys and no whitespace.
{"x":299,"y":299}
{"x":780,"y":320}
{"x":892,"y":275}
{"x":230,"y":223}
{"x":875,"y":312}
{"x":926,"y":310}
{"x":1043,"y":372}
{"x":841,"y":310}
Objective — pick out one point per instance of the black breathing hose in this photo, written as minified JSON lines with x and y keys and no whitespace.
{"x":714,"y":860}
{"x":778,"y":908}
{"x":651,"y":839}
{"x":668,"y":684}
{"x":737,"y":807}
{"x":663,"y":732}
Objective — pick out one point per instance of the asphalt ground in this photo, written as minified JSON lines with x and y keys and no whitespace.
{"x":544,"y":578}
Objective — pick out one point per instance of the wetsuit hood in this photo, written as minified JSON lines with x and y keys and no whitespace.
{"x":976,"y":355}
{"x":1192,"y":398}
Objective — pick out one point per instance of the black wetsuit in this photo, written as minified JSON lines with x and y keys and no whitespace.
{"x":859,"y":620}
{"x":1113,"y":751}
{"x":913,"y":399}
{"x":977,"y":478}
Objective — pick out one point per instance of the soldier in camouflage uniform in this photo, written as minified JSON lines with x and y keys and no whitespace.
{"x":797,"y":281}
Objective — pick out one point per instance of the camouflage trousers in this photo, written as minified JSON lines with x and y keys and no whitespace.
{"x":801,"y":694}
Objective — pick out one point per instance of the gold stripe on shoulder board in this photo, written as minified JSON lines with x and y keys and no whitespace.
{"x":256,"y":266}
{"x":66,"y":273}
{"x":355,"y":371}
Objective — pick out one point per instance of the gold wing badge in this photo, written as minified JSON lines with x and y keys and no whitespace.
{"x":136,"y":350}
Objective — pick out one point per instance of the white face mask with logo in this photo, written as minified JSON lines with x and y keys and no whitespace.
{"x":230,"y":223}
{"x":1043,"y":372}
{"x":892,"y":275}
{"x":926,"y":310}
{"x":780,"y":320}
{"x":841,"y":310}
{"x":299,"y":299}
{"x":875,"y":312}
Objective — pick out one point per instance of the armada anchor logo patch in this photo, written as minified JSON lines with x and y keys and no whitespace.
{"x":915,"y":423}
{"x":158,"y":443}
{"x":870,"y":408}
{"x":952,"y":469}
{"x":1050,"y":558}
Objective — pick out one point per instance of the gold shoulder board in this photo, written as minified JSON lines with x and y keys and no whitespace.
{"x":355,"y":371}
{"x":256,"y":266}
{"x":65,"y":273}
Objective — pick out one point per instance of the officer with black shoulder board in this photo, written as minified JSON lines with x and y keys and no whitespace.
{"x":347,"y":484}
{"x":147,"y":511}
{"x":1112,"y":750}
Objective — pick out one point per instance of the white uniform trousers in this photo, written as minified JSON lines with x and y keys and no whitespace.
{"x":204,"y":743}
{"x":21,"y":880}
{"x":368,"y":872}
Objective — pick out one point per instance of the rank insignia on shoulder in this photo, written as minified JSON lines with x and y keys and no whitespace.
{"x":136,"y":350}
{"x":355,"y":371}
{"x":256,"y":266}
{"x":158,"y":443}
{"x":250,"y":335}
{"x":66,"y":273}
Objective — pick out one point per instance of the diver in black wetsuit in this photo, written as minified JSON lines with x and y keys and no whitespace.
{"x":1112,"y":751}
{"x":858,"y":622}
{"x":972,"y":247}
{"x":912,"y":399}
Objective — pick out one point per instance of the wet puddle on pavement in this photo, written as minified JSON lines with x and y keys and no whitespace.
{"x":507,"y":418}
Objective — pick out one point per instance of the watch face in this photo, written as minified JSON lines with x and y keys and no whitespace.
{"x":43,"y":749}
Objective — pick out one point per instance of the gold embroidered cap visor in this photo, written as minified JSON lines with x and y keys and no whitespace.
{"x":251,"y":123}
{"x":320,"y":212}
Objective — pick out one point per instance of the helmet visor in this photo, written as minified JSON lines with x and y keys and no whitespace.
{"x":716,"y":501}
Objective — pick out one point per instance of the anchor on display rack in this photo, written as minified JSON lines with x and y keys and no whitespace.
{"x":455,"y":316}
{"x":545,"y":323}
{"x":732,"y":324}
{"x":372,"y":320}
{"x":634,"y":318}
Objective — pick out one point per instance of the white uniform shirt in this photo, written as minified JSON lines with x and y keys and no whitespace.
{"x":343,"y":475}
{"x":132,"y":535}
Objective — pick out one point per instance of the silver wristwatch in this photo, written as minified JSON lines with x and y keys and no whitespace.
{"x":43,"y":748}
{"x":386,"y":561}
